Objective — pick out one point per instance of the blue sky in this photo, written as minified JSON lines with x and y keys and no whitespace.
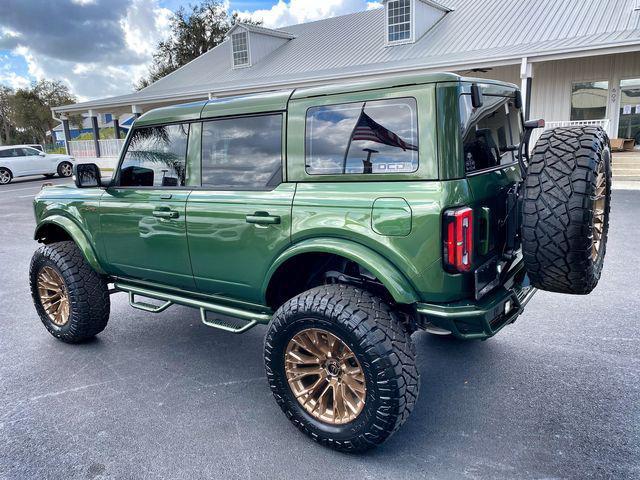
{"x":100,"y":48}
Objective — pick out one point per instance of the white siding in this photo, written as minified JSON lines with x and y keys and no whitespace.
{"x":262,"y":45}
{"x":551,"y":96}
{"x":424,"y":17}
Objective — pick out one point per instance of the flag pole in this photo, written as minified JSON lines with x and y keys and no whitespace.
{"x":346,"y":153}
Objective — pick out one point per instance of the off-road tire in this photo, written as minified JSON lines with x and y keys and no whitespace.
{"x":63,"y":171}
{"x":5,"y":176}
{"x":88,"y":293}
{"x":382,"y":346}
{"x":558,"y":209}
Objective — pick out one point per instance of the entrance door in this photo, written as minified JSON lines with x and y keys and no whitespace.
{"x":143,"y":217}
{"x":629,"y":119}
{"x":240,"y":220}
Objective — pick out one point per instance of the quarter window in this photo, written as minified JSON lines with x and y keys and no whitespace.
{"x":243,"y":153}
{"x":379,"y":136}
{"x":240,"y":48}
{"x":156,"y":157}
{"x":491,"y":133}
{"x":399,"y":20}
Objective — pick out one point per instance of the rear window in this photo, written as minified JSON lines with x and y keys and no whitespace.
{"x":374,"y":137}
{"x":490,"y":133}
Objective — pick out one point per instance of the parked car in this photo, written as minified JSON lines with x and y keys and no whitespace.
{"x":398,"y":204}
{"x":24,"y":160}
{"x":37,"y":146}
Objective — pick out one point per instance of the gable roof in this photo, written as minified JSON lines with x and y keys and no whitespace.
{"x":475,"y":33}
{"x":259,"y":29}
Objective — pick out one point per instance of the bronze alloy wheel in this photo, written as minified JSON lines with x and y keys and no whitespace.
{"x":599,"y":205}
{"x":66,"y":169}
{"x":53,"y":296}
{"x":325,"y":376}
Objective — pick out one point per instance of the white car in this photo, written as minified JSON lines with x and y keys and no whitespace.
{"x":23,"y":160}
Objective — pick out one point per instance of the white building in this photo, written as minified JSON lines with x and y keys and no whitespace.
{"x":579,"y":59}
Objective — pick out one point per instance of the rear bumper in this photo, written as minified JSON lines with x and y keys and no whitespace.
{"x":478,"y":320}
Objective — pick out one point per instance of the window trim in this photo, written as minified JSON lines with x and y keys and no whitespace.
{"x":404,"y":41}
{"x":358,"y":175}
{"x":283,"y":143}
{"x":116,"y":174}
{"x":233,"y":59}
{"x":495,"y":167}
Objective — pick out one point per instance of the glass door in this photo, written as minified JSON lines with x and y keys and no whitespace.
{"x":629,"y":119}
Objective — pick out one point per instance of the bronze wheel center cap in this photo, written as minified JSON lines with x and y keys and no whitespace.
{"x":333,"y":367}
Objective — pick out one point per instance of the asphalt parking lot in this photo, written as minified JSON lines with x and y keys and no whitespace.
{"x":556,"y":395}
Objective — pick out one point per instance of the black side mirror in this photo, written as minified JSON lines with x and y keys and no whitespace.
{"x":517,"y":101}
{"x":87,"y":175}
{"x":476,"y":96}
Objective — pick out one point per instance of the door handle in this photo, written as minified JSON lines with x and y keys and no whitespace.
{"x":165,"y":213}
{"x":263,"y":218}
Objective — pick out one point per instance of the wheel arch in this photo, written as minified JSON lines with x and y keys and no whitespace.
{"x":399,"y":288}
{"x":58,"y":228}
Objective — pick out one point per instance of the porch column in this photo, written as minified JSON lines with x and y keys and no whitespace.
{"x":136,"y":110}
{"x":116,"y":128}
{"x":96,"y":131}
{"x":67,"y":133}
{"x":526,"y":77}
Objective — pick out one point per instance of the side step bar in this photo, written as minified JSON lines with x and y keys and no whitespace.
{"x":236,"y":320}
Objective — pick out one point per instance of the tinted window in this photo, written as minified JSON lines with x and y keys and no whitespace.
{"x":242,"y":153}
{"x":366,"y":137}
{"x":30,"y":151}
{"x":589,"y":100}
{"x":490,"y":133}
{"x":11,"y":152}
{"x":156,"y":157}
{"x":5,"y":153}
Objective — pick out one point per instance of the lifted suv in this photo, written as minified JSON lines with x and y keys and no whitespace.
{"x":345,"y":217}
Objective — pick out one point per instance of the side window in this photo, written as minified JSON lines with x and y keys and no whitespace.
{"x":156,"y":157}
{"x":379,"y":136}
{"x":490,"y":133}
{"x":243,"y":153}
{"x":30,"y":151}
{"x":5,"y":153}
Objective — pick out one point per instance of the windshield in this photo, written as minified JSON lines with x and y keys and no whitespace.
{"x":491,"y":134}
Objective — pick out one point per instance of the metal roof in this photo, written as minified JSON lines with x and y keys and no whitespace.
{"x":475,"y":33}
{"x":260,"y":29}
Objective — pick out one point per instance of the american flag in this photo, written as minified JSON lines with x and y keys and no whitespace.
{"x":368,"y":129}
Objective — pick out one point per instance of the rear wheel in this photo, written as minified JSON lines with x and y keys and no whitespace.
{"x":70,"y":297}
{"x":341,"y":366}
{"x":5,"y":176}
{"x":65,"y":169}
{"x":566,"y":209}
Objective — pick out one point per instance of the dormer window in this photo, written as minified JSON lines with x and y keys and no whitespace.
{"x":240,"y":49}
{"x":398,"y":21}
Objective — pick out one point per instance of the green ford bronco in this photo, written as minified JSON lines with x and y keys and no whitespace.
{"x":343,"y":217}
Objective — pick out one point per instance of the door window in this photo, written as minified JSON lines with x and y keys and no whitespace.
{"x":155,"y":157}
{"x":28,"y":151}
{"x":491,"y":133}
{"x":629,"y":120}
{"x":243,"y":153}
{"x":379,"y":136}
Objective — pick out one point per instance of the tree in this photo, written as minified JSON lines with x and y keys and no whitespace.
{"x":6,"y":126}
{"x":193,"y":33}
{"x":31,"y":108}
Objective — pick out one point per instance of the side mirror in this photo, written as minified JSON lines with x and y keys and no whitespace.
{"x":42,"y":154}
{"x":86,"y":175}
{"x":476,"y":96}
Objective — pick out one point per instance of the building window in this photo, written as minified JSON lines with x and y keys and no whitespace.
{"x":589,"y":100}
{"x":243,"y":153}
{"x":156,"y":157}
{"x":373,"y":137}
{"x":240,"y":48}
{"x":398,"y":20}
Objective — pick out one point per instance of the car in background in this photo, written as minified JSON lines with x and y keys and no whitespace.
{"x":23,"y":160}
{"x":37,"y":146}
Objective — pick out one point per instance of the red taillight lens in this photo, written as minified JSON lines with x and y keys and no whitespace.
{"x":458,"y":239}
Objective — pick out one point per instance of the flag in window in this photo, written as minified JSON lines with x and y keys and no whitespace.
{"x":370,"y":130}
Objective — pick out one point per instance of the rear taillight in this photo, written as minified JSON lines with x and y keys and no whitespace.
{"x":458,"y":239}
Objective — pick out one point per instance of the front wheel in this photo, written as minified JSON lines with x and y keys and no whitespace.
{"x":65,"y":169}
{"x":70,"y":297}
{"x":341,"y":366}
{"x":5,"y":176}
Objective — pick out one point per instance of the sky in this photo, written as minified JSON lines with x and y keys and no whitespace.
{"x":100,"y":48}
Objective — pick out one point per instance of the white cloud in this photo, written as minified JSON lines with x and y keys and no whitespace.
{"x":13,"y":80}
{"x":300,"y":11}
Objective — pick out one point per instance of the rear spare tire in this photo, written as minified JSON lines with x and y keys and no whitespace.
{"x":566,"y":209}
